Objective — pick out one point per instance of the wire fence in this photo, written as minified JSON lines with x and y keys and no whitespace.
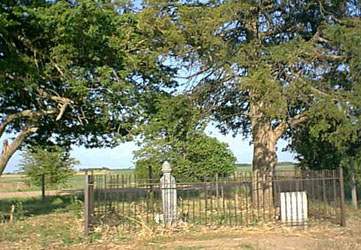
{"x":240,"y":199}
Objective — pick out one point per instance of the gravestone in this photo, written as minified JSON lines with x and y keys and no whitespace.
{"x":294,"y":208}
{"x":169,"y":195}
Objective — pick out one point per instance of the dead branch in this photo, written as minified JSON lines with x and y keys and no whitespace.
{"x":30,"y":114}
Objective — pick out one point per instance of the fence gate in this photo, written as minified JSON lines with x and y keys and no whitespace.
{"x":132,"y":202}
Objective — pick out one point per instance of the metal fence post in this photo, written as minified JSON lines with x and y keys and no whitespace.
{"x":88,"y":202}
{"x":342,"y":197}
{"x":43,"y":186}
{"x":150,"y":178}
{"x":217,"y":191}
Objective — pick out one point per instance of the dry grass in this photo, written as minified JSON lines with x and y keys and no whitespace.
{"x":64,"y":230}
{"x":320,"y":235}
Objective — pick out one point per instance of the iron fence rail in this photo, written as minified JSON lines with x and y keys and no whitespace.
{"x":235,"y":200}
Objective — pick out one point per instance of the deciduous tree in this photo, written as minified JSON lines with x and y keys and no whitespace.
{"x":47,"y":167}
{"x":72,"y":72}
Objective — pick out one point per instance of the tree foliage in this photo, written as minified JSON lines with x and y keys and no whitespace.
{"x":327,"y":149}
{"x":263,"y":68}
{"x":53,"y":163}
{"x":73,"y":72}
{"x":175,"y":133}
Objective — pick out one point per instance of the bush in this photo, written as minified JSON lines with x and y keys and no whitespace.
{"x":203,"y":156}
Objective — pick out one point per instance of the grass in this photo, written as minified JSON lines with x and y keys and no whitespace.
{"x":56,"y":223}
{"x":248,"y":246}
{"x":11,"y":179}
{"x":36,"y":206}
{"x":189,"y":248}
{"x":57,"y":230}
{"x":39,"y":224}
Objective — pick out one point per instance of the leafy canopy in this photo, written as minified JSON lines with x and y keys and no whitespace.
{"x":74,"y":72}
{"x":87,"y":51}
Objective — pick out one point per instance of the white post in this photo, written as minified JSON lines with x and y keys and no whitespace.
{"x":169,"y":195}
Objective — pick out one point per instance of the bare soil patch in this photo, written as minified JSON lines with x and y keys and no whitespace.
{"x":325,"y":236}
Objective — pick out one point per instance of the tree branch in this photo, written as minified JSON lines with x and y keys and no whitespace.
{"x":26,"y":113}
{"x":9,"y":150}
{"x":292,"y":122}
{"x":63,"y":102}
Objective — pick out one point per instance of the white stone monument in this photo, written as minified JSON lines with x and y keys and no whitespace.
{"x":294,"y":208}
{"x":169,"y":195}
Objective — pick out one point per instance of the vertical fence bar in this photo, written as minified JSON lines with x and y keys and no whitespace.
{"x":193,"y":206}
{"x":274,"y":212}
{"x":117,"y":193}
{"x":229,"y":203}
{"x":342,"y":196}
{"x":205,"y":199}
{"x":135,"y":191}
{"x":88,"y":202}
{"x":150,"y":179}
{"x":43,"y":186}
{"x":211,"y":200}
{"x":217,"y":208}
{"x":334,"y":179}
{"x":223,"y":202}
{"x":235,"y":197}
{"x":129,"y":200}
{"x":105,"y":195}
{"x":242,"y":195}
{"x":312,"y":196}
{"x":123,"y":199}
{"x":324,"y":198}
{"x":199,"y":205}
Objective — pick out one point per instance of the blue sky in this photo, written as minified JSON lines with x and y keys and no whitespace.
{"x":122,"y":156}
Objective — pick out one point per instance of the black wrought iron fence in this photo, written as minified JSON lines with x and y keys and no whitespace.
{"x":296,"y":197}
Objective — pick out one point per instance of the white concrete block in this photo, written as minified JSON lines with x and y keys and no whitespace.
{"x":294,"y":208}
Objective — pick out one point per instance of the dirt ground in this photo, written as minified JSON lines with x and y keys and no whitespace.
{"x":322,"y":236}
{"x":334,"y":239}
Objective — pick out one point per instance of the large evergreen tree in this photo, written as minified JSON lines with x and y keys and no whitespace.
{"x":264,"y":67}
{"x":72,"y":72}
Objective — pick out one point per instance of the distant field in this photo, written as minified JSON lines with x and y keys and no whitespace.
{"x":16,"y":182}
{"x":248,"y":168}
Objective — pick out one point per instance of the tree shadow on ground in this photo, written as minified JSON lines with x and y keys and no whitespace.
{"x":34,"y":206}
